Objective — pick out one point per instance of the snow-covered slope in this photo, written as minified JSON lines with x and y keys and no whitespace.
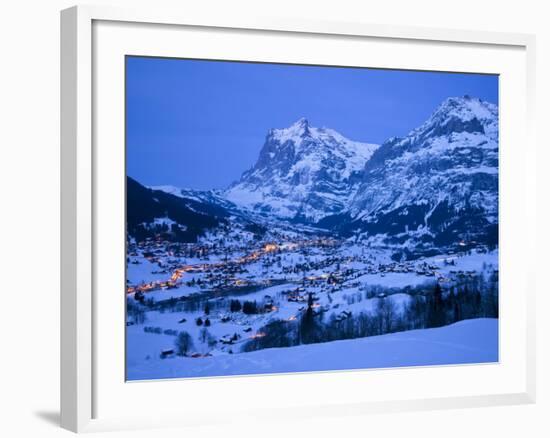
{"x":440,"y":181}
{"x":213,"y":197}
{"x":152,"y":212}
{"x":303,"y":173}
{"x":436,"y":187}
{"x":469,"y":341}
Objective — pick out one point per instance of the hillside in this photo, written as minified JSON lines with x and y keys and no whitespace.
{"x":470,"y":341}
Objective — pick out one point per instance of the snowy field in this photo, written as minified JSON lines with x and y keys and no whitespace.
{"x":465,"y":342}
{"x":342,"y":281}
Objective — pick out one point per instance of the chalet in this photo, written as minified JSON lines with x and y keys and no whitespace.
{"x":166,"y":353}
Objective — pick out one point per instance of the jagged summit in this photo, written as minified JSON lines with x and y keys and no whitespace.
{"x":302,"y":122}
{"x":440,"y":182}
{"x":296,"y":132}
{"x":461,"y":114}
{"x":466,"y":108}
{"x":436,"y":186}
{"x":301,"y":171}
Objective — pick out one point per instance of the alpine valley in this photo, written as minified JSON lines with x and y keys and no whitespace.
{"x":323,"y":240}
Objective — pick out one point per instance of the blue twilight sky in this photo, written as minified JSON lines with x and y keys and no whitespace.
{"x":200,"y":124}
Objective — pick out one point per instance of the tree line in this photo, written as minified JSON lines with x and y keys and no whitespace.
{"x":473,"y":298}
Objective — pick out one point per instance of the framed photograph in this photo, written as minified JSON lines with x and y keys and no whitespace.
{"x":306,"y":217}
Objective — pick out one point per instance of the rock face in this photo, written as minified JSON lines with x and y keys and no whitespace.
{"x":303,"y":173}
{"x":436,"y":186}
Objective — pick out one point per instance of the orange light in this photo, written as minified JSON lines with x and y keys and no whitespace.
{"x":270,"y":247}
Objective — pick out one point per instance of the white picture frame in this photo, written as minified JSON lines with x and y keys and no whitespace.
{"x":84,"y":371}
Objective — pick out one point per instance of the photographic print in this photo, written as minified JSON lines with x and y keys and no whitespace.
{"x":295,"y":218}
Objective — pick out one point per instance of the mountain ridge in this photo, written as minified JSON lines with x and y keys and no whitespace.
{"x":302,"y":172}
{"x":435,"y":186}
{"x":440,"y":181}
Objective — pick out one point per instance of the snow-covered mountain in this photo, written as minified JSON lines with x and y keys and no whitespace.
{"x":213,"y":197}
{"x":440,"y":182}
{"x":436,"y":187}
{"x":302,"y":173}
{"x":154,"y":211}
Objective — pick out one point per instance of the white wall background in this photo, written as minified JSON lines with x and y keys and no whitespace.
{"x":29,"y":217}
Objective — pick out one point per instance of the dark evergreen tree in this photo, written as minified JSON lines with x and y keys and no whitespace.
{"x":477,"y":303}
{"x":307,"y":323}
{"x":235,"y":306}
{"x":436,"y":310}
{"x":250,"y":307}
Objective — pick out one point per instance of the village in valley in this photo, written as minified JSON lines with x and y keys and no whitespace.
{"x":238,"y":291}
{"x":255,"y":248}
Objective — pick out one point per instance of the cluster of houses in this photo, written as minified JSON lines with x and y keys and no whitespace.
{"x":223,"y":266}
{"x":317,"y":262}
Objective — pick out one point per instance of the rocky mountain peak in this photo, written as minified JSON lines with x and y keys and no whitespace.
{"x":440,"y":182}
{"x":302,"y":170}
{"x":461,"y":114}
{"x":295,"y":133}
